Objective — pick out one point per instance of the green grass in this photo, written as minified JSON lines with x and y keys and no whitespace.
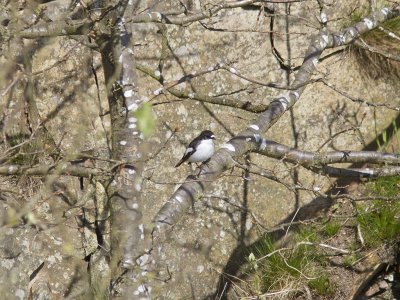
{"x":22,"y":155}
{"x":386,"y":186}
{"x":307,"y":234}
{"x":349,"y":260}
{"x":380,"y":220}
{"x":321,"y":285}
{"x":291,"y":267}
{"x":374,"y":61}
{"x":331,"y":228}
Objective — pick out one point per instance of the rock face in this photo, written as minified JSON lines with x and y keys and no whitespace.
{"x":44,"y":252}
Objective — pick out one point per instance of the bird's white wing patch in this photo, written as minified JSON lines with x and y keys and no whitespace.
{"x":188,"y":150}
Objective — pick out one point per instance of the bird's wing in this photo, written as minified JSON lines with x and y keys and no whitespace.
{"x":189,"y":151}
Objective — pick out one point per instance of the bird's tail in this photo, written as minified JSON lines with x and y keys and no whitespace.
{"x":179,"y":163}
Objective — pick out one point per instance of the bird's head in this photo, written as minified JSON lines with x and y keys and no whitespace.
{"x":207,"y":134}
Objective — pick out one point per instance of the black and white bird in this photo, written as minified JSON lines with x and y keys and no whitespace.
{"x":200,"y":149}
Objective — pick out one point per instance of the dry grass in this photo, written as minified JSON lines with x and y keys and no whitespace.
{"x":378,"y":52}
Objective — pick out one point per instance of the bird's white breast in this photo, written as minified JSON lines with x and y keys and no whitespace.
{"x":203,"y":152}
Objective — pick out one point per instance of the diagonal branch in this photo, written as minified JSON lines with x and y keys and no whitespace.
{"x":248,"y":139}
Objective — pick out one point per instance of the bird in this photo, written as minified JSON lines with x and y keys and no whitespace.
{"x":200,"y":149}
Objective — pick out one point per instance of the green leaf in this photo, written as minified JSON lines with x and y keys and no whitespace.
{"x":384,"y":137}
{"x":145,"y":119}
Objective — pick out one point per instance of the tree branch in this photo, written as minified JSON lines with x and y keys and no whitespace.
{"x":198,"y":96}
{"x":248,"y":139}
{"x":59,"y":169}
{"x":307,"y":158}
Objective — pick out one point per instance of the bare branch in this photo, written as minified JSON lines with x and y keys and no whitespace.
{"x":248,"y":139}
{"x":307,"y":158}
{"x":59,"y":169}
{"x":58,"y":28}
{"x":358,"y":100}
{"x":359,"y":172}
{"x":157,"y":17}
{"x":247,"y":105}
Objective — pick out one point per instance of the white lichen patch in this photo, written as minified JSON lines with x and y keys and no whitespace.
{"x":157,"y":73}
{"x":249,"y":224}
{"x":20,"y":294}
{"x":52,"y":259}
{"x":142,"y":260}
{"x":342,"y":39}
{"x":221,"y":203}
{"x":7,"y":263}
{"x":257,"y":137}
{"x":233,"y":70}
{"x":324,"y":41}
{"x":57,"y":241}
{"x":132,"y":120}
{"x":324,"y":17}
{"x":284,"y":101}
{"x":236,"y":217}
{"x":132,"y":106}
{"x":200,"y":269}
{"x":229,"y":147}
{"x":263,"y":145}
{"x":368,"y":171}
{"x":128,"y":93}
{"x":296,"y":94}
{"x":369,"y":23}
{"x":138,"y":186}
{"x":392,"y":35}
{"x":255,"y":127}
{"x":123,"y":143}
{"x":181,"y":111}
{"x":178,"y":198}
{"x":157,"y":92}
